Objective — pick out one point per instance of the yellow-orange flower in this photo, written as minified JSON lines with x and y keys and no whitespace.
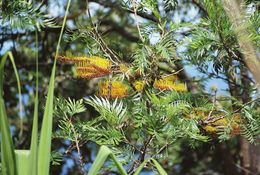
{"x":94,"y":61}
{"x":113,"y":89}
{"x":224,"y":122}
{"x":210,"y":129}
{"x":139,"y":85}
{"x":92,"y":67}
{"x":88,"y":72}
{"x":171,"y":77}
{"x":123,"y":68}
{"x":168,"y":83}
{"x":67,"y":59}
{"x":196,"y":113}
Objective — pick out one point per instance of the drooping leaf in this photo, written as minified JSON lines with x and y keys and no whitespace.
{"x":44,"y":153}
{"x":7,"y":148}
{"x":103,"y":154}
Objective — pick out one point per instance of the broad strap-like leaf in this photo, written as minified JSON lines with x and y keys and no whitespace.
{"x":156,"y":165}
{"x":103,"y":154}
{"x":7,"y":148}
{"x":34,"y":138}
{"x":159,"y":167}
{"x":23,"y":163}
{"x":44,"y":151}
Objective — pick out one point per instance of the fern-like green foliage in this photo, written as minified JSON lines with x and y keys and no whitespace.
{"x":251,"y":126}
{"x":128,"y":123}
{"x":214,"y":41}
{"x":170,"y":5}
{"x":66,"y":111}
{"x":22,"y":14}
{"x":112,"y":112}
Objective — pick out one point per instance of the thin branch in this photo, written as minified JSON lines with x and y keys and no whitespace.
{"x":112,"y":55}
{"x":200,"y":7}
{"x":106,"y":3}
{"x":135,"y":6}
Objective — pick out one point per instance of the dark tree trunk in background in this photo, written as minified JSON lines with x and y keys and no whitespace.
{"x":250,"y":153}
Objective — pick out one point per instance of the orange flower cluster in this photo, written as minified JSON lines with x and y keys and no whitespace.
{"x":67,"y":59}
{"x":165,"y":83}
{"x":113,"y":89}
{"x":217,"y":121}
{"x":89,"y":67}
{"x":93,"y":67}
{"x":169,"y":83}
{"x":139,"y":85}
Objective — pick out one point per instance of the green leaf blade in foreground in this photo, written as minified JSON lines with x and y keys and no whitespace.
{"x":155,"y":163}
{"x":23,"y":161}
{"x":44,"y":150}
{"x":46,"y":131}
{"x":7,"y":148}
{"x":34,"y":138}
{"x":159,"y":167}
{"x":103,"y":154}
{"x":140,"y":168}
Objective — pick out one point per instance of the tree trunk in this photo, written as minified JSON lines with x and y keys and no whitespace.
{"x":249,"y":153}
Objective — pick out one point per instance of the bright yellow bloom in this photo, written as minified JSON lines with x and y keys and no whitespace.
{"x":123,"y":68}
{"x":224,"y":122}
{"x":88,"y":72}
{"x":67,"y":59}
{"x":92,"y":67}
{"x":196,"y":113}
{"x":210,"y":129}
{"x":221,"y":122}
{"x":167,"y":83}
{"x":114,"y":89}
{"x":94,"y":61}
{"x":139,"y":85}
{"x":172,"y":78}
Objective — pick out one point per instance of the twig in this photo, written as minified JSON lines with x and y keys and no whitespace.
{"x":112,"y":55}
{"x":76,"y":141}
{"x":200,"y":7}
{"x":141,"y":156}
{"x":245,"y":104}
{"x":136,"y":19}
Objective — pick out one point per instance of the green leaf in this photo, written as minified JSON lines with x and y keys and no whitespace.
{"x":156,"y":164}
{"x":7,"y":148}
{"x":140,"y":168}
{"x":103,"y":154}
{"x":44,"y":153}
{"x":159,"y":167}
{"x":34,"y":139}
{"x":23,"y":164}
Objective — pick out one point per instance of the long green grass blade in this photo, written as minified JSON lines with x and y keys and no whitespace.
{"x":103,"y":154}
{"x":7,"y":148}
{"x":34,"y":139}
{"x":140,"y":168}
{"x":10,"y":56}
{"x":46,"y":129}
{"x":23,"y":161}
{"x":155,"y":163}
{"x":159,"y":167}
{"x":100,"y":160}
{"x":118,"y":165}
{"x":3,"y":60}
